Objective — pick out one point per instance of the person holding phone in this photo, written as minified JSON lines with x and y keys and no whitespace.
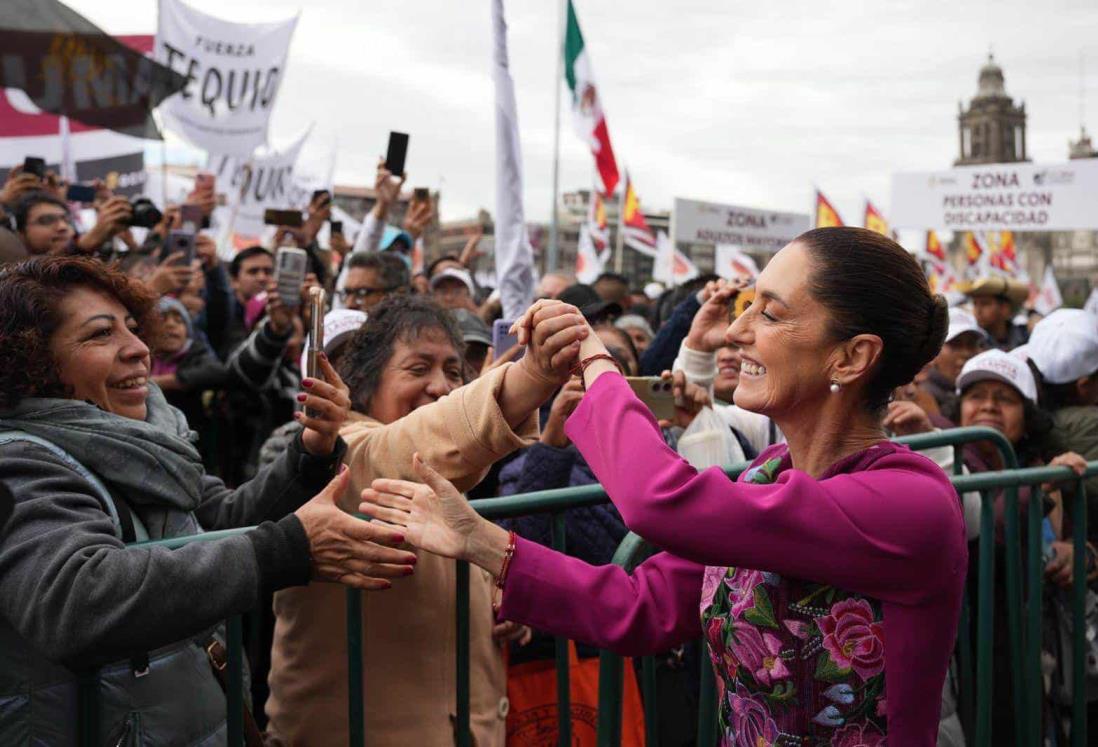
{"x":98,"y":460}
{"x":827,"y":580}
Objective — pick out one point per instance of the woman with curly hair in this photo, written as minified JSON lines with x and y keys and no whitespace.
{"x":97,"y":460}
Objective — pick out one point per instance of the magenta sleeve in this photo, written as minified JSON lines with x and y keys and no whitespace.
{"x":893,"y":531}
{"x":653,"y":609}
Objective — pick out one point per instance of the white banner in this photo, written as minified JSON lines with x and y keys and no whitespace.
{"x":233,"y":74}
{"x":752,"y":229}
{"x":671,"y":267}
{"x":730,"y":263}
{"x":254,"y":185}
{"x":999,"y":197}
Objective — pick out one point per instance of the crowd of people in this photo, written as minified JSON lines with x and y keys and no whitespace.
{"x":147,"y":397}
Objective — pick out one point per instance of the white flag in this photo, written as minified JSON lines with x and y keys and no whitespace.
{"x":1048,"y":298}
{"x":672,"y":266}
{"x":733,"y":263}
{"x":1092,"y":302}
{"x":514,"y":255}
{"x":589,"y":263}
{"x":233,"y":74}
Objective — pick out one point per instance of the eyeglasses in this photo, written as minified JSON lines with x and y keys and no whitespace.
{"x":361,"y":294}
{"x":50,"y":220}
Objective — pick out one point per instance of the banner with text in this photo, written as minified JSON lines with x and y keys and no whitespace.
{"x":751,"y":229}
{"x":999,"y":197}
{"x":255,"y":185}
{"x":233,"y":74}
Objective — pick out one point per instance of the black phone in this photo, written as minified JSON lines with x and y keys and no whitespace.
{"x":291,"y":218}
{"x":179,"y":241}
{"x":395,"y":155}
{"x":80,"y":193}
{"x":320,"y":193}
{"x":336,"y":226}
{"x":37,"y":166}
{"x":421,"y":194}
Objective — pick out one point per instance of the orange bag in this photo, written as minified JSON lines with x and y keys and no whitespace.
{"x":532,"y":691}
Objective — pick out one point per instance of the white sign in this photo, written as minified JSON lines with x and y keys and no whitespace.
{"x":233,"y":74}
{"x":999,"y":197}
{"x":752,"y":229}
{"x":671,"y":266}
{"x":254,"y":185}
{"x":730,"y":263}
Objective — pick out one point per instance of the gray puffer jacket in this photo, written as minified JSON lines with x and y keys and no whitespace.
{"x":76,"y":604}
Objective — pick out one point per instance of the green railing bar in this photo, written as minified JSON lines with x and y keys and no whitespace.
{"x":559,"y":541}
{"x":985,"y":622}
{"x":1019,"y":686}
{"x":1078,"y":618}
{"x":648,"y":692}
{"x":627,"y":556}
{"x":464,"y":735}
{"x":1034,"y":602}
{"x":966,"y":701}
{"x":234,"y":676}
{"x":1017,"y":477}
{"x":957,"y":436}
{"x":356,"y":696}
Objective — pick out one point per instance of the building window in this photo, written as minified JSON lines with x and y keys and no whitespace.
{"x":966,"y":142}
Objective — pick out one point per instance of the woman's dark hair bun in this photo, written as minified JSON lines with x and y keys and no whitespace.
{"x":871,"y":285}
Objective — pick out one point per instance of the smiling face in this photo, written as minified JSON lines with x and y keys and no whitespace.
{"x":997,"y":405}
{"x":99,"y":355}
{"x":728,"y":373}
{"x":419,"y":372}
{"x":784,"y":342}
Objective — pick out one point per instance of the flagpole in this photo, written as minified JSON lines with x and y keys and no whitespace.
{"x":619,"y":244}
{"x":553,"y":259}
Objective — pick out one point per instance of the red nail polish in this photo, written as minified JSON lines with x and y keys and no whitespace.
{"x":307,"y":383}
{"x":409,"y":571}
{"x":413,"y":560}
{"x":323,"y":355}
{"x":302,"y":397}
{"x":400,"y":539}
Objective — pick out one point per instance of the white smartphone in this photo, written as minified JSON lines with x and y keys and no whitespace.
{"x":291,"y":266}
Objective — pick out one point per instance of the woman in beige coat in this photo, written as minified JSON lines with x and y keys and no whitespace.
{"x":404,"y":371}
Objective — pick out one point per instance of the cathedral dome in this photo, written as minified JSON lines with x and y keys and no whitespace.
{"x":991,"y":80}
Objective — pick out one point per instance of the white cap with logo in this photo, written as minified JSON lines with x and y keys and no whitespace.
{"x":960,"y":322}
{"x":999,"y":366}
{"x":339,"y":325}
{"x":1064,"y":345}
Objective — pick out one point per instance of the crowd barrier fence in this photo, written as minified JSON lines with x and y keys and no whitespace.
{"x":1024,"y":634}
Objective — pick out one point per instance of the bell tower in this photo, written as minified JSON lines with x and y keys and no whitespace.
{"x":992,"y":129}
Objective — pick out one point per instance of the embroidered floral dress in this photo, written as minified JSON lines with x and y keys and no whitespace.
{"x":798,"y":663}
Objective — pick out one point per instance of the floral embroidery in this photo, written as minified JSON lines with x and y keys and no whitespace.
{"x":852,"y":638}
{"x":797,"y":662}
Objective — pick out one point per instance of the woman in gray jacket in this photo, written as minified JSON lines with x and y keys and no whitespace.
{"x":97,"y":459}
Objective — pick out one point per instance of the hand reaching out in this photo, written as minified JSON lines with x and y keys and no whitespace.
{"x":708,"y":329}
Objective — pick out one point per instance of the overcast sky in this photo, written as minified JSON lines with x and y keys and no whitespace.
{"x":743,"y":102}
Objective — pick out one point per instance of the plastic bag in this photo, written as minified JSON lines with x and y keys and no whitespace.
{"x":709,"y":442}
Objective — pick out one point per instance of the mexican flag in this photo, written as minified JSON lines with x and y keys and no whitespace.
{"x":587,"y":114}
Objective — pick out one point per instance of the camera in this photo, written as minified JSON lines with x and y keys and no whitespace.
{"x":145,"y":213}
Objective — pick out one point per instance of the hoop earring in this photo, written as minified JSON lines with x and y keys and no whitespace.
{"x":835,"y":386}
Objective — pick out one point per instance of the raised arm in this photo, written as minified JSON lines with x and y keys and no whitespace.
{"x":882,"y":531}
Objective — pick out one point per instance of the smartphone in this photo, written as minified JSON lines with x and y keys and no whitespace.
{"x":336,"y":226}
{"x":179,"y":241}
{"x":291,"y":266}
{"x":318,"y":193}
{"x":191,"y":216}
{"x":421,"y":194}
{"x":37,"y":166}
{"x":655,"y":393}
{"x":291,"y":218}
{"x":502,"y":340}
{"x":80,"y":193}
{"x":395,"y":155}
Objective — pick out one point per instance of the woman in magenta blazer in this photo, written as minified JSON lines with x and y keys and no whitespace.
{"x":827,"y":580}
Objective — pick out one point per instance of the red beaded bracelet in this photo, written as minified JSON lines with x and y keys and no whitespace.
{"x":581,"y":366}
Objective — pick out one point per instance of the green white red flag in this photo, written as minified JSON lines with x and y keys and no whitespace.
{"x":587,"y":114}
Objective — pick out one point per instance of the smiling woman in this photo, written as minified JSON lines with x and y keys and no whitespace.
{"x":98,"y":460}
{"x":828,"y":578}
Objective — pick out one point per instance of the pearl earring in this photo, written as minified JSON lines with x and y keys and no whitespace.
{"x":834,"y":386}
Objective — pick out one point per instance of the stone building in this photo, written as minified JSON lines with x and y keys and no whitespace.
{"x":993,"y":128}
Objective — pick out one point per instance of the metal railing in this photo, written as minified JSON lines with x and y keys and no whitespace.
{"x":1024,"y":636}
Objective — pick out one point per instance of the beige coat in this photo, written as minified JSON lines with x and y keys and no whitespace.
{"x":409,"y":636}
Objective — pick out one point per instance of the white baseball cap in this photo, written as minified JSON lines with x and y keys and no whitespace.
{"x":455,"y":273}
{"x":999,"y":366}
{"x":1064,"y":345}
{"x":339,"y":325}
{"x":961,"y":321}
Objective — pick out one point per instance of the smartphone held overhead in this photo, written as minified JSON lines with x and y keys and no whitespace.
{"x":290,"y":218}
{"x":291,"y":266}
{"x":396,"y":153}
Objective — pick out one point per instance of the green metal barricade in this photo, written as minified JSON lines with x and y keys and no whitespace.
{"x":1025,"y":635}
